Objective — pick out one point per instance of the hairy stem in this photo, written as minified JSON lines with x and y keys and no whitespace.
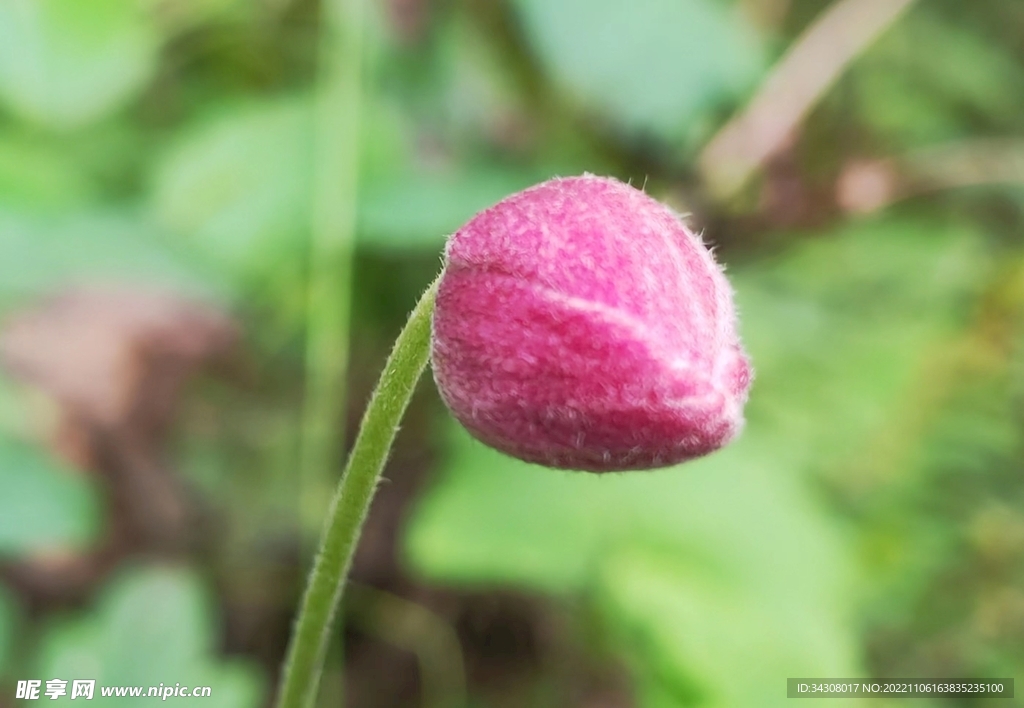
{"x":351,"y":503}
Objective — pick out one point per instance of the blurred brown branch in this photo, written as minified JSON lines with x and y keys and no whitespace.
{"x":768,"y":15}
{"x":870,"y":185}
{"x":800,"y":79}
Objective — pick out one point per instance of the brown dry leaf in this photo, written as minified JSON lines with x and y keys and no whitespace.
{"x":114,"y":360}
{"x":115,"y":357}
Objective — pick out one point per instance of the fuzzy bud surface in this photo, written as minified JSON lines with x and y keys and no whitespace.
{"x":580,"y":325}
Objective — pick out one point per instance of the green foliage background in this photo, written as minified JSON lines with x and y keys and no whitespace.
{"x":870,"y":521}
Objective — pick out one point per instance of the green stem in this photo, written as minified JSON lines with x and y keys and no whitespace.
{"x":351,"y":503}
{"x":335,"y":186}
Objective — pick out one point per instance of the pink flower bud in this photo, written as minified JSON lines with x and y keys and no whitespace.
{"x":580,"y":325}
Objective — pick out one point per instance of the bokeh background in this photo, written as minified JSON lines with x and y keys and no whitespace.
{"x":216,"y":214}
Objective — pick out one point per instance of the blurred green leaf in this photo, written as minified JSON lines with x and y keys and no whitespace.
{"x":894,"y":104}
{"x":239,"y":188}
{"x":421,"y":210}
{"x":917,"y":94}
{"x":179,"y":15}
{"x":151,"y":626}
{"x":64,"y":63}
{"x":699,"y":570}
{"x":39,"y":253}
{"x":971,"y":70}
{"x":944,"y":540}
{"x":239,"y":185}
{"x":37,"y":176}
{"x":494,"y":519}
{"x":473,"y":96}
{"x":44,"y":505}
{"x":754,"y":580}
{"x":651,"y":65}
{"x":841,"y":326}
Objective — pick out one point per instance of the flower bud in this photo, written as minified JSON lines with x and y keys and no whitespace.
{"x":580,"y":325}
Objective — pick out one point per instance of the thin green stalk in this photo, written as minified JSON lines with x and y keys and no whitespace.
{"x":335,"y":185}
{"x":351,"y":503}
{"x":414,"y":628}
